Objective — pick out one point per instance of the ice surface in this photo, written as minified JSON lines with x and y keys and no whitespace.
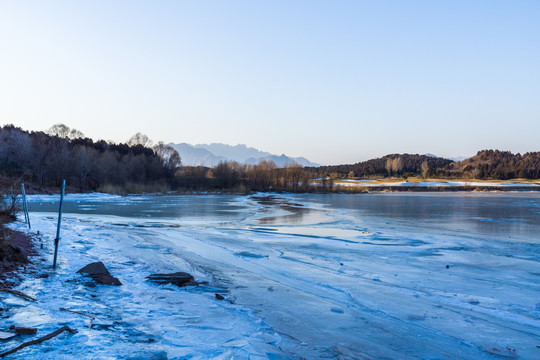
{"x":303,"y":276}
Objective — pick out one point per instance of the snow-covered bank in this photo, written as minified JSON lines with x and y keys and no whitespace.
{"x":309,"y":276}
{"x":138,"y":320}
{"x":464,"y":184}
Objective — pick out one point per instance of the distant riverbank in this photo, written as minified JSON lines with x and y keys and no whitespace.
{"x":324,"y":185}
{"x":432,"y":185}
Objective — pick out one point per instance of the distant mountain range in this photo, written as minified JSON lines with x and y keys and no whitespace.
{"x":212,"y":154}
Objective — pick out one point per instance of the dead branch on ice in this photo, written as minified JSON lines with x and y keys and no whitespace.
{"x":77,"y":312}
{"x":40,"y":340}
{"x":18,"y":293}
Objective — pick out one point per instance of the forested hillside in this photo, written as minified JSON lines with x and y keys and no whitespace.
{"x":485,"y":165}
{"x":389,"y":165}
{"x":45,"y":159}
{"x":496,"y":165}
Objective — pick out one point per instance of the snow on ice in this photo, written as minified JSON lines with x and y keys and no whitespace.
{"x":302,"y":276}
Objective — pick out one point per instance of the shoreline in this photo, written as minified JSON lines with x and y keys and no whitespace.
{"x":338,"y":185}
{"x":17,"y":249}
{"x":485,"y":188}
{"x":357,"y":189}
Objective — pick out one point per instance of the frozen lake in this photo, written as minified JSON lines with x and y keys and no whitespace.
{"x":395,"y":276}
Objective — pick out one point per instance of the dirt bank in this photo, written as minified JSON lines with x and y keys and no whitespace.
{"x":15,"y":249}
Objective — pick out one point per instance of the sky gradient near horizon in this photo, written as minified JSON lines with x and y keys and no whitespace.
{"x":333,"y":81}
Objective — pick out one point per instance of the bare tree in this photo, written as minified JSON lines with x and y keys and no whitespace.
{"x":425,"y":169}
{"x":293,"y":174}
{"x":260,"y":175}
{"x":61,"y":159}
{"x":75,"y":134}
{"x":140,"y":139}
{"x":168,"y":155}
{"x":394,"y":165}
{"x":388,"y":166}
{"x":228,"y":174}
{"x":85,"y":158}
{"x":64,"y":131}
{"x":59,"y":130}
{"x":15,"y":150}
{"x":397,"y":164}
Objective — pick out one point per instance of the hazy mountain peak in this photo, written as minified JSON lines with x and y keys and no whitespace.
{"x":211,"y":154}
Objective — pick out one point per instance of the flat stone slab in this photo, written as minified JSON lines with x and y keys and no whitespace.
{"x":177,"y":278}
{"x":99,"y":273}
{"x":23,"y":330}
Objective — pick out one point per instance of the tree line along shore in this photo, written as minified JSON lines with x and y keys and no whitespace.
{"x":43,"y":159}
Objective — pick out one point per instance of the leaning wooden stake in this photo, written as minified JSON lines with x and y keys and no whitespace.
{"x":59,"y":222}
{"x":25,"y":206}
{"x":40,"y":340}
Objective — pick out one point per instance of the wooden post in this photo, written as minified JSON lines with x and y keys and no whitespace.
{"x":25,"y":207}
{"x":59,"y":222}
{"x":22,"y":195}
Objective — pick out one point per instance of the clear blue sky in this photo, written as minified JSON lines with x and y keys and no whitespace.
{"x":334,"y":81}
